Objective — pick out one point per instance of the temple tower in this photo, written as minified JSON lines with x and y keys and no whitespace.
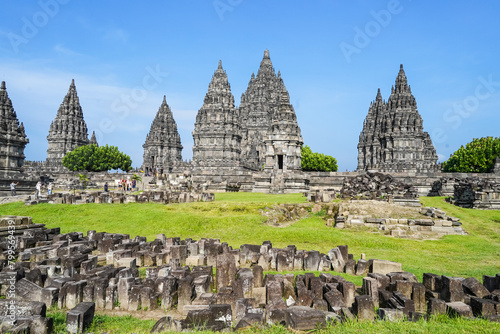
{"x":393,"y":139}
{"x":68,"y":130}
{"x":217,"y":133}
{"x":284,"y":141}
{"x":258,"y":104}
{"x":162,"y":148}
{"x":13,"y":138}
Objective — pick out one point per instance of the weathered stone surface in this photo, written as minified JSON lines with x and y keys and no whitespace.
{"x":384,"y":267}
{"x":390,"y":314}
{"x":80,"y":317}
{"x":364,"y":308}
{"x":473,"y":287}
{"x":305,"y":318}
{"x":225,"y":270}
{"x":482,"y":307}
{"x":370,"y":288}
{"x":451,"y":289}
{"x":459,"y":309}
{"x":436,"y":306}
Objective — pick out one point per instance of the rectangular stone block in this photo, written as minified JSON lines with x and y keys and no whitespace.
{"x":80,"y":318}
{"x":384,"y":267}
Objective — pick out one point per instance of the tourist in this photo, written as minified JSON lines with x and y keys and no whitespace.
{"x":133,"y":184}
{"x":106,"y":187}
{"x":13,"y":188}
{"x":124,"y":185}
{"x":119,"y":185}
{"x":38,"y":191}
{"x":49,"y":188}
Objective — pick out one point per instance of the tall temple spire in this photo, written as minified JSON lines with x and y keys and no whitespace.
{"x":379,"y":96}
{"x":162,"y":148}
{"x":12,"y":137}
{"x":68,"y":130}
{"x":216,"y":132}
{"x":256,"y":110}
{"x":393,"y":139}
{"x":93,"y":139}
{"x":284,"y":140}
{"x":266,"y":66}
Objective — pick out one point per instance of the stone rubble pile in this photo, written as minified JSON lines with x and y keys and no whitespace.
{"x":156,"y":196}
{"x":437,"y":225}
{"x":378,"y":186}
{"x":476,"y":193}
{"x":99,"y":271}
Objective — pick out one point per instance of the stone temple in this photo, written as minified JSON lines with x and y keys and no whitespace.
{"x":13,"y":138}
{"x":217,"y":131}
{"x":258,"y":105}
{"x":68,"y":130}
{"x":262,"y":133}
{"x":393,"y":138}
{"x":162,"y":148}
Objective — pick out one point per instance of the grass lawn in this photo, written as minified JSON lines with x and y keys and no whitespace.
{"x":235,"y":218}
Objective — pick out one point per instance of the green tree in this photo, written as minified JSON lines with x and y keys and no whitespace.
{"x":93,"y":158}
{"x":83,"y":180}
{"x":320,"y":162}
{"x":478,"y":156}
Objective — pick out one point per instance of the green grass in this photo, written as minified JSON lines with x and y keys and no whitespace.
{"x":104,"y":323}
{"x":438,"y":324}
{"x":235,"y":218}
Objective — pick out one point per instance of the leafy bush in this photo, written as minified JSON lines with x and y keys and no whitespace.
{"x":319,"y":162}
{"x":93,"y":158}
{"x":478,"y":156}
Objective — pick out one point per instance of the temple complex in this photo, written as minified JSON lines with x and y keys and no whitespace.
{"x":162,"y":148}
{"x":255,"y":147}
{"x":393,"y":138}
{"x":68,"y":130}
{"x":13,"y":138}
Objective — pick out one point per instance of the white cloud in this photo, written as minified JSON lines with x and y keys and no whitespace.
{"x":65,"y":51}
{"x":116,"y":34}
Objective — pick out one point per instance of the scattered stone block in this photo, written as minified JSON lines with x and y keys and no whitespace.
{"x":459,"y":309}
{"x":305,"y":318}
{"x":364,"y":308}
{"x":384,"y":267}
{"x":80,"y":317}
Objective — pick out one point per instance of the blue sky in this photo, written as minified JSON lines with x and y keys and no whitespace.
{"x":333,"y":55}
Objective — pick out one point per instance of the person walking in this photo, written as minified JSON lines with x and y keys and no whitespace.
{"x":13,"y":188}
{"x":106,"y":187}
{"x":49,"y":188}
